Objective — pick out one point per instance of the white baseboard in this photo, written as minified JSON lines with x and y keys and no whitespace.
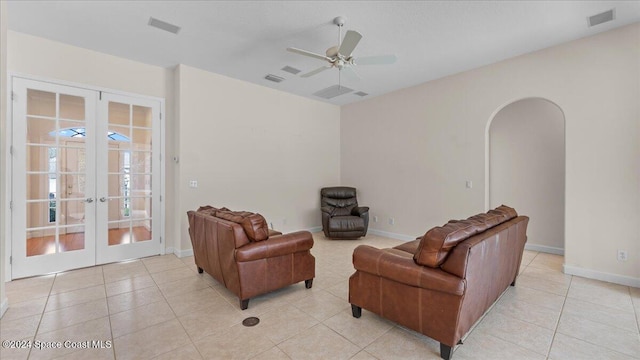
{"x":544,"y":249}
{"x":392,"y":235}
{"x":603,"y":276}
{"x":314,"y":229}
{"x":4,"y":306}
{"x":183,"y":253}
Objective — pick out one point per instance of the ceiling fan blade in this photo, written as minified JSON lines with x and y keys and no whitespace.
{"x":351,"y":40}
{"x":308,"y":53}
{"x":376,"y":60}
{"x":350,"y":73}
{"x":316,"y":71}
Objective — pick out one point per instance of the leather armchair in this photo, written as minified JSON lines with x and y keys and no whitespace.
{"x":342,"y":218}
{"x":238,"y":250}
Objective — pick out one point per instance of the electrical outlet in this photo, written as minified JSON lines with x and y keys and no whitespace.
{"x":375,"y":218}
{"x":392,"y":221}
{"x":622,"y":255}
{"x":193,"y":184}
{"x":469,"y":184}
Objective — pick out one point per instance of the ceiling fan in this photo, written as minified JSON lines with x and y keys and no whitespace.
{"x":340,"y":56}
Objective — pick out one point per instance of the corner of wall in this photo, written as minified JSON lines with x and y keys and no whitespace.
{"x":4,"y":302}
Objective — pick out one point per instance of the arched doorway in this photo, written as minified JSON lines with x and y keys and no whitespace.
{"x":526,"y":168}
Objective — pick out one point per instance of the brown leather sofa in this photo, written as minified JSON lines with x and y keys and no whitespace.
{"x":238,"y":249}
{"x":442,"y":283}
{"x":342,"y":218}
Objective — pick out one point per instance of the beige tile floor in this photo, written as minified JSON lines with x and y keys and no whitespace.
{"x":161,"y":308}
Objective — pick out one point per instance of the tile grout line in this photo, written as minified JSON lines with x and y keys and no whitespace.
{"x":42,"y":314}
{"x":579,"y":339}
{"x":106,"y":298}
{"x":174,"y":313}
{"x":555,"y":331}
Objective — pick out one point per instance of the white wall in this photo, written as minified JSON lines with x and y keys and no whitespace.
{"x":31,"y":55}
{"x":3,"y":145}
{"x":526,"y":168}
{"x":410,"y":152}
{"x":254,"y":148}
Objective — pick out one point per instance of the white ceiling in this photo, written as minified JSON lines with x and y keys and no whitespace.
{"x":247,"y":39}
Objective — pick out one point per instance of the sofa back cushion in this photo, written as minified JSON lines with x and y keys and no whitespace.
{"x":254,"y":225}
{"x":437,"y":242}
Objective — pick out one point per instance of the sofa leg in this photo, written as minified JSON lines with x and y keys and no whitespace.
{"x":445,"y":351}
{"x":513,"y":283}
{"x":244,"y":304}
{"x":308,"y":283}
{"x":200,"y":271}
{"x":356,"y":311}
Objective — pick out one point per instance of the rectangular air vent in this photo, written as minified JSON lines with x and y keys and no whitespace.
{"x":603,"y":17}
{"x":274,"y":78}
{"x":290,"y":70}
{"x":332,"y":91}
{"x":360,"y":93}
{"x":163,"y":25}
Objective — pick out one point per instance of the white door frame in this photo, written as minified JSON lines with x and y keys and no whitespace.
{"x":8,"y":232}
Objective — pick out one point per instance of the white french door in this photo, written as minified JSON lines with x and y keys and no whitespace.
{"x":129,"y":193}
{"x":85,"y":178}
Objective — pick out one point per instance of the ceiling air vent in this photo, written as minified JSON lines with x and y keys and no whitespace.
{"x":290,"y":70}
{"x":603,"y":17}
{"x":360,"y":93}
{"x":332,"y":91}
{"x":274,"y":78}
{"x":163,"y":25}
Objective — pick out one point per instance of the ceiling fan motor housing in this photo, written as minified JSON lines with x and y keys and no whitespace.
{"x":340,"y":20}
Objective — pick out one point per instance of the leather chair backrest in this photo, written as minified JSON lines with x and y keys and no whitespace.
{"x":342,"y":198}
{"x":436,"y":244}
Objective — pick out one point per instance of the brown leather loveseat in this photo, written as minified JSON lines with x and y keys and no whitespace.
{"x":442,"y":283}
{"x":238,"y":249}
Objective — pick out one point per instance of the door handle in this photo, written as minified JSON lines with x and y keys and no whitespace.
{"x":89,"y":200}
{"x":103,"y":199}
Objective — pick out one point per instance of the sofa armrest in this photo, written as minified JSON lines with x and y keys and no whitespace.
{"x":359,"y":210}
{"x":398,"y":265}
{"x":276,"y":246}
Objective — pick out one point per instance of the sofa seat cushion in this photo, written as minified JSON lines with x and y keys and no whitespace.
{"x":254,"y":225}
{"x":346,"y":223}
{"x":437,"y":242}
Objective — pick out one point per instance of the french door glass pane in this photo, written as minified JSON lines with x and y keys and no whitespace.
{"x":41,"y":103}
{"x":40,"y":129}
{"x":55,"y":172}
{"x":142,"y":116}
{"x":142,"y":139}
{"x":119,"y":114}
{"x":71,"y":107}
{"x":119,"y":133}
{"x":129,"y":179}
